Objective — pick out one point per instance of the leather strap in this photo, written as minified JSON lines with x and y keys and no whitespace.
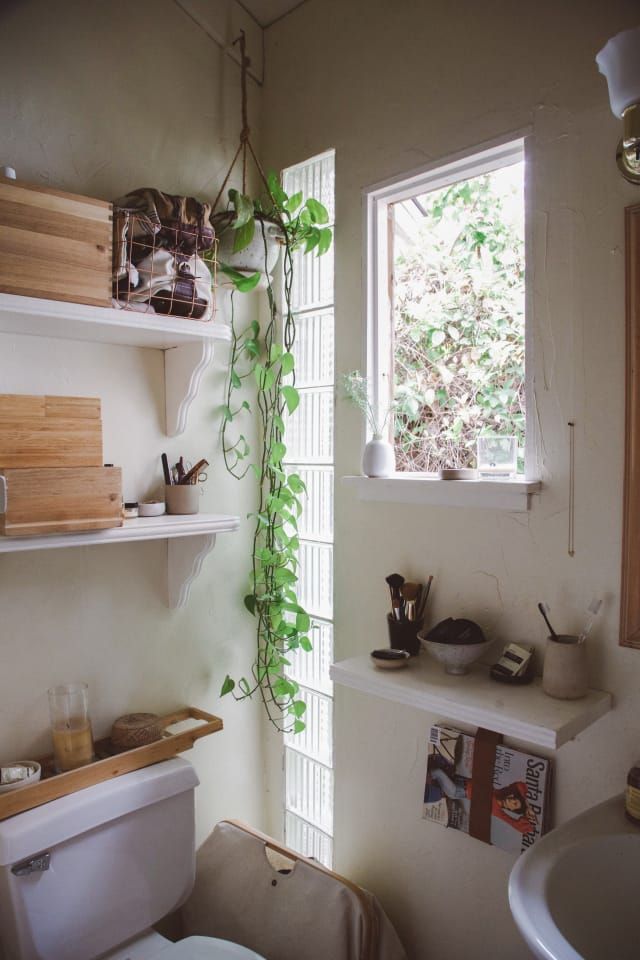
{"x":484,"y":758}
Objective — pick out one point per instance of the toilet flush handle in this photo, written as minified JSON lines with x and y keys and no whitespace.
{"x":35,"y":865}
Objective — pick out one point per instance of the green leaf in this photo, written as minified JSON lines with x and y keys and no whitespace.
{"x":265,"y":377}
{"x":244,"y":235}
{"x":282,"y":576}
{"x":226,"y":412}
{"x":326,"y":236}
{"x":306,"y":644}
{"x":303,"y":622}
{"x":227,"y":686}
{"x":243,"y":282}
{"x":250,"y":603}
{"x":236,"y":382}
{"x":275,"y":352}
{"x":275,"y":189}
{"x":291,"y":397}
{"x":293,"y":202}
{"x":313,"y":241}
{"x":317,"y":210}
{"x":244,"y":209}
{"x":299,"y":726}
{"x":287,"y":363}
{"x":278,"y":451}
{"x":298,"y":708}
{"x":296,"y":483}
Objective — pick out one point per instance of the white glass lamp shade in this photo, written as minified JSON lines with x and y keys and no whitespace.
{"x":619,"y":61}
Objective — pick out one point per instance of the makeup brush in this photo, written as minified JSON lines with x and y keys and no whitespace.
{"x":424,"y":596}
{"x":593,"y":610}
{"x":544,"y":610}
{"x":395,"y":581}
{"x":410,"y":592}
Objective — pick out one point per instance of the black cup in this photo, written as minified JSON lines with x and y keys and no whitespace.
{"x":403,"y":635}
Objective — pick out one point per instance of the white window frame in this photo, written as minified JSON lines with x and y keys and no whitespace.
{"x":378,"y":360}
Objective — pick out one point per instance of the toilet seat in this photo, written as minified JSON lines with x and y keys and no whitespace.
{"x":206,"y":948}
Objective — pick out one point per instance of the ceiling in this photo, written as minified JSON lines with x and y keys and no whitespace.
{"x":267,"y":12}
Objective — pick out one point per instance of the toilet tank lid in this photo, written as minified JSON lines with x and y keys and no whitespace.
{"x":37,"y":830}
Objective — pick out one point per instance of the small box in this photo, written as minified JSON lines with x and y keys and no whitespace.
{"x":59,"y":500}
{"x":54,"y":245}
{"x":50,"y":431}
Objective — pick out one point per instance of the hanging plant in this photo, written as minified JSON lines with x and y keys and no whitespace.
{"x":263,"y":353}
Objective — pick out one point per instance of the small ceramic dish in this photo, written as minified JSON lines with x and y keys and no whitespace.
{"x":33,"y":777}
{"x":388,"y":659}
{"x":151,"y":508}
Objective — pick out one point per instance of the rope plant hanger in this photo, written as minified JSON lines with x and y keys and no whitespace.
{"x":262,"y":354}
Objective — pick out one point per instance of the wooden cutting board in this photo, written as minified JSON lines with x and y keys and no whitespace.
{"x":50,"y":431}
{"x":59,"y":500}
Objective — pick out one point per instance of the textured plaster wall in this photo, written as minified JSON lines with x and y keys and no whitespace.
{"x":393,"y":86}
{"x":98,"y":99}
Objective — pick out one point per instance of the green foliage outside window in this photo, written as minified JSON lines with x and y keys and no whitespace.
{"x":459,"y":325}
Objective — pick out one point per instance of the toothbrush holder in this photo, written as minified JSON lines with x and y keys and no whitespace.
{"x":403,"y":634}
{"x":565,"y":673}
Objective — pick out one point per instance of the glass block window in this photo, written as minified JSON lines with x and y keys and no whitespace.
{"x":308,"y":766}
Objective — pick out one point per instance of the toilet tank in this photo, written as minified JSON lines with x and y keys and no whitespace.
{"x":82,"y":874}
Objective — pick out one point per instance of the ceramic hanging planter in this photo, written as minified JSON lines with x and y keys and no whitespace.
{"x":250,"y":259}
{"x":378,"y":458}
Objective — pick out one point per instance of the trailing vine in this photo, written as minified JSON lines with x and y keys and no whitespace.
{"x":264,"y":353}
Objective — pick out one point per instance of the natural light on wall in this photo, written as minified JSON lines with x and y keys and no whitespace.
{"x":308,"y":767}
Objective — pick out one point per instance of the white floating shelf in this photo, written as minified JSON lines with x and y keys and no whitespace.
{"x":524,"y":712}
{"x":511,"y":495}
{"x":190,"y":539}
{"x":188,"y":344}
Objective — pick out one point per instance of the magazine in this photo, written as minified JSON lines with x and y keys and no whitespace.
{"x":520,"y":797}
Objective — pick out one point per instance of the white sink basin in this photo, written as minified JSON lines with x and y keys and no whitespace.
{"x":575,"y":895}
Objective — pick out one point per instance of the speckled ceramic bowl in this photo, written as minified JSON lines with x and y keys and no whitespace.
{"x":456,"y":657}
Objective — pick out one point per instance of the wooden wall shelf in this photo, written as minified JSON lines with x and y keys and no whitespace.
{"x":188,"y":344}
{"x":525,"y":713}
{"x":189,"y":540}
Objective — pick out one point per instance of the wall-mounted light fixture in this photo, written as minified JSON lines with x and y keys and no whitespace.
{"x":619,"y":61}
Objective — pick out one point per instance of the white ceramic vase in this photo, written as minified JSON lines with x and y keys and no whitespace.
{"x":378,"y":459}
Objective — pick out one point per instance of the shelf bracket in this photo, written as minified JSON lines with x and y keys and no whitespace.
{"x":183,"y":370}
{"x":184,"y":563}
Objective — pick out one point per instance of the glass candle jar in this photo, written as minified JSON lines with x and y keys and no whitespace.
{"x":70,"y":726}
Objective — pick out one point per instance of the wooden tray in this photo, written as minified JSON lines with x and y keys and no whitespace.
{"x":54,"y":785}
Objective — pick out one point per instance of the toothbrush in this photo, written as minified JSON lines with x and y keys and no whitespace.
{"x":593,"y":610}
{"x":544,"y":610}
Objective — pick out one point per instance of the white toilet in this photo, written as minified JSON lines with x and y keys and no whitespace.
{"x":86,"y":876}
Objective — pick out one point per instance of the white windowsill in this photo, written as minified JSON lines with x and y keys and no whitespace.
{"x":422,"y":488}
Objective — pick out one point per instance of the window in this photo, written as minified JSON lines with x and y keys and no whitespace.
{"x":446,"y":305}
{"x":308,"y":757}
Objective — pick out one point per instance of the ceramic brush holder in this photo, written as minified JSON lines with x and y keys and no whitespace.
{"x":403,"y":634}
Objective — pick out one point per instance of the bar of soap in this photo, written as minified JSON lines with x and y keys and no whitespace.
{"x":14,"y":774}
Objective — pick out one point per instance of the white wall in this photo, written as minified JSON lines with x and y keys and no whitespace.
{"x":99,"y":99}
{"x":391,"y":86}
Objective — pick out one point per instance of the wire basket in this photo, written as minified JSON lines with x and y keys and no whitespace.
{"x":164,"y":267}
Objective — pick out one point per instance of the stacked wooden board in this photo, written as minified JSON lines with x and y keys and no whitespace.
{"x":51,"y":475}
{"x":54,"y":244}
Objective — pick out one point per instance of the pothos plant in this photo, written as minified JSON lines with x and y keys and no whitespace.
{"x":263,"y":352}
